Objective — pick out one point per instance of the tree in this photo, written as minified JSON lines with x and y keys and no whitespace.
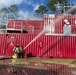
{"x":14,"y":10}
{"x":11,"y":11}
{"x":55,"y":5}
{"x":4,"y":10}
{"x":41,"y":11}
{"x":8,"y":13}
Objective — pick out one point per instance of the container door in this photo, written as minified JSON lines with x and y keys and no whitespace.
{"x":10,"y":44}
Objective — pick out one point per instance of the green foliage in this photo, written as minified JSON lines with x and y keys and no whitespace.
{"x":5,"y":10}
{"x":2,"y":26}
{"x":12,"y":11}
{"x":40,"y":11}
{"x":8,"y":13}
{"x":53,"y":4}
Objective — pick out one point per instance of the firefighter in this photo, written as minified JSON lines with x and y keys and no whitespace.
{"x":14,"y":56}
{"x":16,"y":52}
{"x":21,"y":53}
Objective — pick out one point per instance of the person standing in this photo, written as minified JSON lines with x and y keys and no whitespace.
{"x":16,"y":52}
{"x":22,"y":52}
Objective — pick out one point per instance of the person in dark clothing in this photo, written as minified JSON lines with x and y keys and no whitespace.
{"x":22,"y":52}
{"x":16,"y":52}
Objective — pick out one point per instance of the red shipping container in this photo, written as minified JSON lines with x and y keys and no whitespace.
{"x":59,"y":21}
{"x":30,"y":26}
{"x":44,"y":46}
{"x":56,"y":44}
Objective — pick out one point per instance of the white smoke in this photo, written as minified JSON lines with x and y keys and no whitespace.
{"x":7,"y":3}
{"x":22,"y":14}
{"x":36,"y":6}
{"x":25,"y":15}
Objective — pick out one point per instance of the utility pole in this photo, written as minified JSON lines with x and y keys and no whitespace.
{"x":67,"y":6}
{"x":70,"y":3}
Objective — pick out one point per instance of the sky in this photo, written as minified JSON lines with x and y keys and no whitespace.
{"x":26,"y":7}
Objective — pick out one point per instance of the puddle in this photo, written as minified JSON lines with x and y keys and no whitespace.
{"x":24,"y":67}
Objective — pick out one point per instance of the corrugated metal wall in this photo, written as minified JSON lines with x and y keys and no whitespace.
{"x":31,"y":26}
{"x":56,"y":23}
{"x":58,"y":46}
{"x":15,"y":24}
{"x":44,"y":46}
{"x":2,"y":44}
